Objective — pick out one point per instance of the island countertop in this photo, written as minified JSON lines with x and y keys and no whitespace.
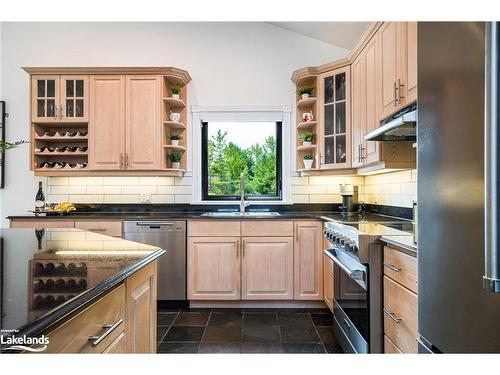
{"x":47,"y":274}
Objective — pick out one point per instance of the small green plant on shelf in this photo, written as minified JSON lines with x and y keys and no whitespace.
{"x":175,"y":158}
{"x":175,"y":138}
{"x":308,"y":161}
{"x":306,"y":138}
{"x":176,"y":90}
{"x":305,"y":91}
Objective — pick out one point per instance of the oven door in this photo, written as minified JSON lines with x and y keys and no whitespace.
{"x":350,"y":301}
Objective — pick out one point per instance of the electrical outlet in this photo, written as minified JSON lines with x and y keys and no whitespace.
{"x":145,"y":198}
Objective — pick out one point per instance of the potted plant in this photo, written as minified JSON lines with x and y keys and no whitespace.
{"x":306,"y":138}
{"x":305,"y":91}
{"x":176,"y":90}
{"x":175,"y":158}
{"x":308,"y":161}
{"x":174,"y":139}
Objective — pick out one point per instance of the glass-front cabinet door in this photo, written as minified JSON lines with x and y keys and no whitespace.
{"x":74,"y":98}
{"x":335,"y":119}
{"x":45,"y":98}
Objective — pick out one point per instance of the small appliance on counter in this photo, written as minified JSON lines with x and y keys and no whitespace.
{"x":349,"y":195}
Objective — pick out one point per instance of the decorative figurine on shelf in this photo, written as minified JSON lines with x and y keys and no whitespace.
{"x":307,"y":116}
{"x":175,"y":116}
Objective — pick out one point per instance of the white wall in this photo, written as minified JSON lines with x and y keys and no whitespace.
{"x":230,"y":63}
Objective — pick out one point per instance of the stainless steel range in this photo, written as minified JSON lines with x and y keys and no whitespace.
{"x":356,"y":252}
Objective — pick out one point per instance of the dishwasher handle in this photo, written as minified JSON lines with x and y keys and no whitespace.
{"x":155,"y":224}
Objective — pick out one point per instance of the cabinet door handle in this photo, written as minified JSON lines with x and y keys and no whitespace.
{"x":395,"y":94}
{"x":392,"y":316}
{"x":243,"y":248}
{"x":108,"y":328}
{"x":392,"y":267}
{"x":399,"y":90}
{"x":121,"y":161}
{"x":126,"y":160}
{"x":61,"y":112}
{"x":362,"y":156}
{"x":238,"y":249}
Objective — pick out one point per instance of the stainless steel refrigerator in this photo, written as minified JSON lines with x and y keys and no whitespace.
{"x":458,"y":271}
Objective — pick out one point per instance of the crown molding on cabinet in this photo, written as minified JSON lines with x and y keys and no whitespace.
{"x":175,"y":75}
{"x":303,"y":75}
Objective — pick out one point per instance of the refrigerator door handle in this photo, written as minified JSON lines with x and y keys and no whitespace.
{"x":491,"y":277}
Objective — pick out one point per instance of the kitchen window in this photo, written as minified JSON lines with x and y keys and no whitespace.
{"x":249,"y":147}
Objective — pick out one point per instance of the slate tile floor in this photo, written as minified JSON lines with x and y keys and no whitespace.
{"x":190,"y":330}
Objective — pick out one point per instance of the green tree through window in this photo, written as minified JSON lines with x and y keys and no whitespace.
{"x":250,"y":148}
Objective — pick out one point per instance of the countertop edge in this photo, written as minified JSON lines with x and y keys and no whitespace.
{"x":38,"y":327}
{"x":400,"y":245}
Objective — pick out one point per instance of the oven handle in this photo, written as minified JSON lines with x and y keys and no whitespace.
{"x":353,"y":274}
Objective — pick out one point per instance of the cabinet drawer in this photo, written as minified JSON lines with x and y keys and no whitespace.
{"x":389,"y":347}
{"x":42,"y":224}
{"x":219,"y":228}
{"x":72,"y":336}
{"x":109,"y":228}
{"x":276,"y":228}
{"x":400,"y":316}
{"x":401,"y":268}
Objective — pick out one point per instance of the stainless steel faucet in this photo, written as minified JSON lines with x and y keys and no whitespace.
{"x":243,"y":202}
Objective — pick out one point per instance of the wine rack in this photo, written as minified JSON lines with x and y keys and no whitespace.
{"x":53,"y":282}
{"x":60,"y":148}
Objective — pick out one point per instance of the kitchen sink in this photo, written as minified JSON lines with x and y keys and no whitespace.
{"x":241,"y":214}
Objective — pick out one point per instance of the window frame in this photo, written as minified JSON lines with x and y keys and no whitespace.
{"x":204,"y":168}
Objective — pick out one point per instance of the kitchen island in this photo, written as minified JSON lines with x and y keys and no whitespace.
{"x":80,"y":291}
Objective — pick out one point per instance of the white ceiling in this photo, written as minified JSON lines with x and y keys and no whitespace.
{"x":340,"y":34}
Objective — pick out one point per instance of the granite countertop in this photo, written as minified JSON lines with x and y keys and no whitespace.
{"x":47,"y":274}
{"x":405,"y":242}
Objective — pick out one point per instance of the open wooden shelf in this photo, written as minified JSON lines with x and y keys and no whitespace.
{"x":61,"y":153}
{"x":308,"y":102}
{"x":65,"y":139}
{"x":172,"y":147}
{"x":174,"y":103}
{"x":307,"y":148}
{"x":175,"y":124}
{"x":307,"y":125}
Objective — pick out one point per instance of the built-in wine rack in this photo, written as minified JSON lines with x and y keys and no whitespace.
{"x":60,"y":148}
{"x":54,"y":282}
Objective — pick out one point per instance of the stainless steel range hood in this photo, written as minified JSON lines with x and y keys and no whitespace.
{"x":400,"y":127}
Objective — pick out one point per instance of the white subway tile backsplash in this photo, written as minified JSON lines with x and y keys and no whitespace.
{"x":184,"y":181}
{"x":294,"y":180}
{"x":86,"y":198}
{"x":139,"y":189}
{"x":122,"y":198}
{"x":182,"y":198}
{"x":68,"y":189}
{"x":84,"y":180}
{"x":325,"y":198}
{"x":129,"y":180}
{"x":309,"y":189}
{"x":300,"y":198}
{"x":156,"y":181}
{"x":104,"y":189}
{"x":58,"y":181}
{"x":56,"y":198}
{"x":162,"y":198}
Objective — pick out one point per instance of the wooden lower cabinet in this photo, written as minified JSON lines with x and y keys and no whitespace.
{"x":40,"y":223}
{"x":328,"y":281}
{"x":390,"y":347}
{"x":308,"y":260}
{"x":267,"y":268}
{"x":122,"y":321}
{"x":214,"y":268}
{"x":141,"y":310}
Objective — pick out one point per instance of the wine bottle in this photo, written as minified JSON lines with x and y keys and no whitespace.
{"x":39,"y":199}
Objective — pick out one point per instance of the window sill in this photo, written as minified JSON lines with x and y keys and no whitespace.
{"x":236,"y":203}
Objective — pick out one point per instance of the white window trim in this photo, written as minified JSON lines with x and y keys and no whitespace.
{"x":200,"y":114}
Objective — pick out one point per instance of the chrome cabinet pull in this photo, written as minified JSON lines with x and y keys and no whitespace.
{"x":399,"y":90}
{"x":243,"y":249}
{"x":394,"y":268}
{"x":392,"y":316}
{"x":108,"y":328}
{"x":96,"y":230}
{"x":395,"y":94}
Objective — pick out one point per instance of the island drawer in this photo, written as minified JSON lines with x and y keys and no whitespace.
{"x":275,"y":228}
{"x":401,"y":268}
{"x":219,"y":228}
{"x":109,"y":228}
{"x":400,"y":316}
{"x":41,"y":223}
{"x":104,"y":320}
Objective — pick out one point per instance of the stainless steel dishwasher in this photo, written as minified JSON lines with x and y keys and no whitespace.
{"x":171,"y":237}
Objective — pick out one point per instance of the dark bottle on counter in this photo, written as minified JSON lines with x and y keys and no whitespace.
{"x":39,"y":199}
{"x":39,"y":233}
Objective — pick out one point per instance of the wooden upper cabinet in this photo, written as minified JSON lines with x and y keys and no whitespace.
{"x":358,"y":87}
{"x":143,"y":125}
{"x":74,"y":98}
{"x":371,"y":153}
{"x":107,"y":122}
{"x":308,"y":260}
{"x":267,"y":268}
{"x":335,"y":119}
{"x":45,"y":98}
{"x":388,"y":34}
{"x":411,"y":62}
{"x":214,"y":268}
